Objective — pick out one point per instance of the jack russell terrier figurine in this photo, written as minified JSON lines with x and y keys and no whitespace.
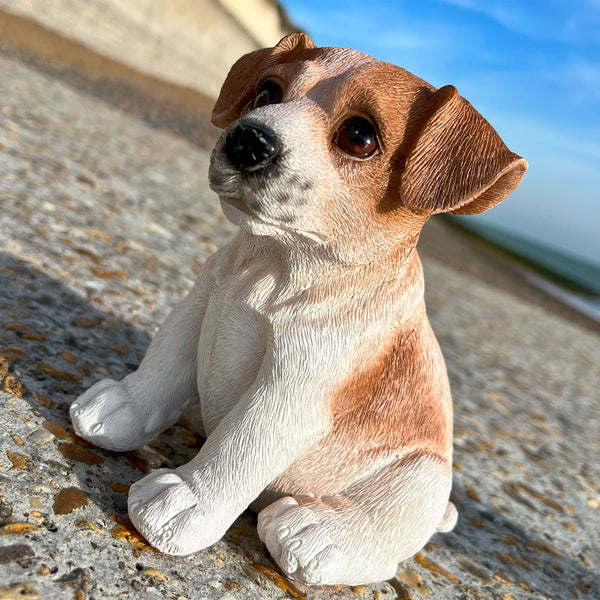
{"x":303,"y":353}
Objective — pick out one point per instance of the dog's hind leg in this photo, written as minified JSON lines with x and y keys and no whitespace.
{"x":124,"y":415}
{"x":360,"y":535}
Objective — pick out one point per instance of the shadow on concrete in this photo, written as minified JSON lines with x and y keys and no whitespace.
{"x":57,"y":344}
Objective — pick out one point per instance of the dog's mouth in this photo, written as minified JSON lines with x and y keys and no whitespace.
{"x":238,"y":203}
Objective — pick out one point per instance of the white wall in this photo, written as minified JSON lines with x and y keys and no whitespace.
{"x":187,"y":42}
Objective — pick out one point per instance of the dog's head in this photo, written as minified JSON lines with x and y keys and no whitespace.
{"x":329,"y":146}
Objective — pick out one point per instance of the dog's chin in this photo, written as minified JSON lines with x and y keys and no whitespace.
{"x":238,"y":212}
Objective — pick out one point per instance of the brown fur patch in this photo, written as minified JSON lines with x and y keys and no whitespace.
{"x":401,"y":400}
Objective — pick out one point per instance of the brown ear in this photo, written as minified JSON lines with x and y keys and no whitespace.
{"x":458,"y":163}
{"x":240,"y":84}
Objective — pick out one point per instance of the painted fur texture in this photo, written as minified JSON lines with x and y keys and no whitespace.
{"x":303,"y":353}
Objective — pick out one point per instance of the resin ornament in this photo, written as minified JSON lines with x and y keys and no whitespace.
{"x":303,"y":353}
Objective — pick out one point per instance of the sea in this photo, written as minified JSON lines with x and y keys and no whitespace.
{"x":569,"y":278}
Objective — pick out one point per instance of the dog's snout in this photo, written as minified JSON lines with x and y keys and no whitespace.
{"x":249,"y":147}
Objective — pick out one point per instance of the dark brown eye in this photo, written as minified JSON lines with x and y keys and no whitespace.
{"x":356,"y":136}
{"x":268,"y":93}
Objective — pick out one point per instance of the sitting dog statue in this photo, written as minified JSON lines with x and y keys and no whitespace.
{"x":303,"y":353}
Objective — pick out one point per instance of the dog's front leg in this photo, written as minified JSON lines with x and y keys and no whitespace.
{"x":187,"y":509}
{"x":128,"y":414}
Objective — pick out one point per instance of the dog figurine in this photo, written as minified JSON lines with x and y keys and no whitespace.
{"x":303,"y":353}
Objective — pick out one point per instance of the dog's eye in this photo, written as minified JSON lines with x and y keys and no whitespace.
{"x":356,"y":136}
{"x":268,"y":93}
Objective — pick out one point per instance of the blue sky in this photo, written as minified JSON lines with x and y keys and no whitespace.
{"x":531,"y":67}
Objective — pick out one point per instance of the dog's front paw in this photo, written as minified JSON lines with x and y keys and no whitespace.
{"x":108,"y":416}
{"x":305,"y":542}
{"x":168,"y":513}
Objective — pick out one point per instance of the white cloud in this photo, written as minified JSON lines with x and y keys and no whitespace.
{"x":545,"y":141}
{"x":380,"y":29}
{"x":514,"y":17}
{"x":589,"y":76}
{"x":558,"y":20}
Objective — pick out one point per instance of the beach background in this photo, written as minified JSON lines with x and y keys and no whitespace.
{"x":106,"y":218}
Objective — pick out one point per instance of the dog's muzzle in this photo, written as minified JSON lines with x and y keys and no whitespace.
{"x":249,"y":147}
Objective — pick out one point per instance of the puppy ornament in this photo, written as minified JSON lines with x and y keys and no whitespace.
{"x":303,"y":353}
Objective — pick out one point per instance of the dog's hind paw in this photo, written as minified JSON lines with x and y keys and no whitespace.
{"x":311,"y":543}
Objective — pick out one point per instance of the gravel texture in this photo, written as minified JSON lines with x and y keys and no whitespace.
{"x":105,"y":221}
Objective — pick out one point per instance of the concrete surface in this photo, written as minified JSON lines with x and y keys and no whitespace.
{"x":104,"y":222}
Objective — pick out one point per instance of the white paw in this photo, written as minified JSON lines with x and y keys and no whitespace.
{"x":167,"y":512}
{"x":106,"y":415}
{"x":309,"y":544}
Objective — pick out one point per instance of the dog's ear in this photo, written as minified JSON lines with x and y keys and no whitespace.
{"x":240,"y":84}
{"x":457,"y":162}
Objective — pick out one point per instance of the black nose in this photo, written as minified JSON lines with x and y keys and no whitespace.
{"x":249,"y":147}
